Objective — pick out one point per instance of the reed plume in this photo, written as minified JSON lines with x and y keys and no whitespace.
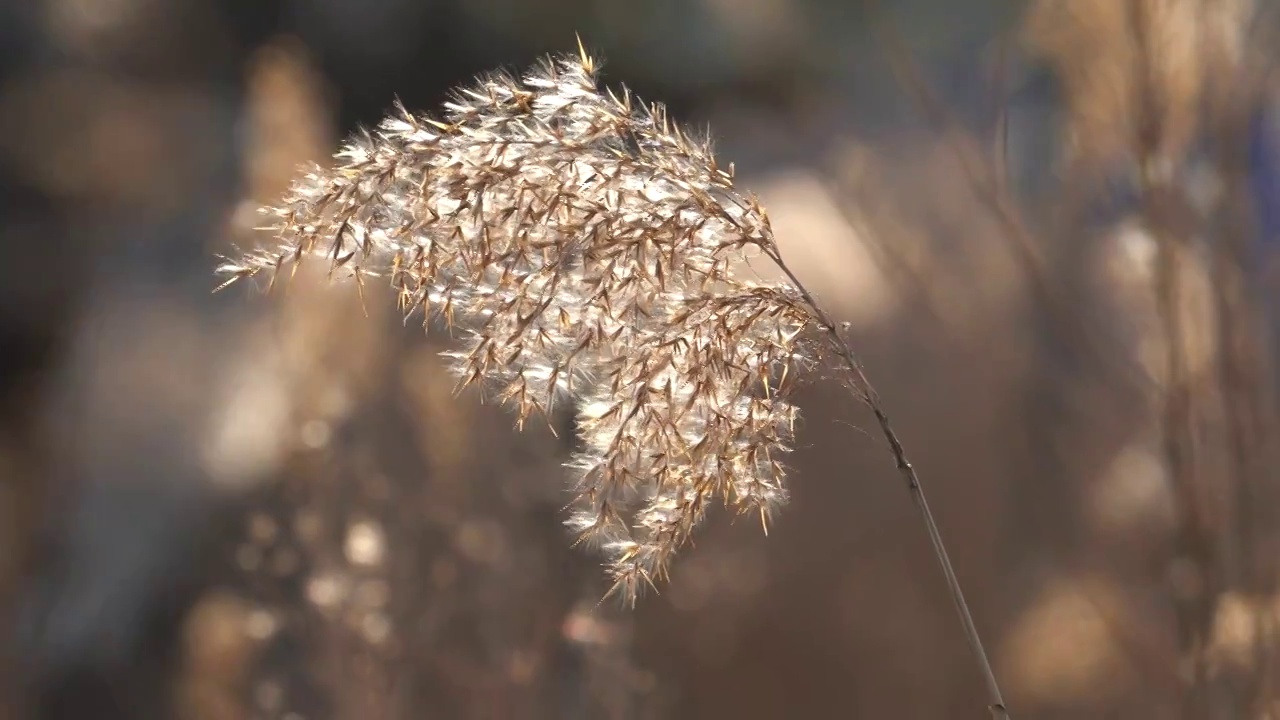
{"x":588,"y":249}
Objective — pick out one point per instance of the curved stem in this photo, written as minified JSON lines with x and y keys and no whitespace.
{"x":867,"y":393}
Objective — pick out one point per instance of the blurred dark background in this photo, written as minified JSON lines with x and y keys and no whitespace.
{"x":1049,"y":223}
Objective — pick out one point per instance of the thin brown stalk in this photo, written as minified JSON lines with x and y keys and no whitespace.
{"x":867,"y":393}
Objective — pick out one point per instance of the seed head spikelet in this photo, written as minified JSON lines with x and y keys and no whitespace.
{"x":583,"y":247}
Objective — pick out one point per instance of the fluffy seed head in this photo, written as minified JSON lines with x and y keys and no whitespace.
{"x":588,"y":250}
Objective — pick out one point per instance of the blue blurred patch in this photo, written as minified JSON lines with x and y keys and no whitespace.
{"x":1264,"y":175}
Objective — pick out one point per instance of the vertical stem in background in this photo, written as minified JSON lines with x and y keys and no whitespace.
{"x":1193,"y":542}
{"x":1244,"y":380}
{"x":1245,"y":369}
{"x":1167,"y":214}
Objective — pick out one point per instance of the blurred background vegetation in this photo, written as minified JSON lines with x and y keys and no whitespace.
{"x":1050,"y":224}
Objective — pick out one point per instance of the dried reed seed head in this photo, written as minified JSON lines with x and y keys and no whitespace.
{"x":588,"y":249}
